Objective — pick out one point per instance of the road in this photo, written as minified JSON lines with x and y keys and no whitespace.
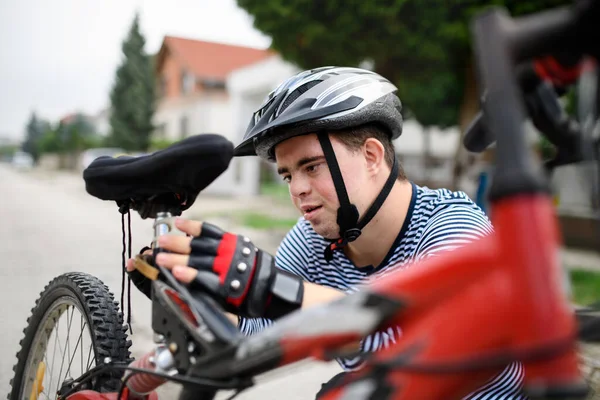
{"x":49,"y":225}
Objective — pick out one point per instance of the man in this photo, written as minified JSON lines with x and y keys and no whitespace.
{"x":330,"y":131}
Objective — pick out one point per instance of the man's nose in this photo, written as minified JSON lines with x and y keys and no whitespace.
{"x":299,"y":187}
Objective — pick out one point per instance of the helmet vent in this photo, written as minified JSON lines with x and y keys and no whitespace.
{"x":297,"y":93}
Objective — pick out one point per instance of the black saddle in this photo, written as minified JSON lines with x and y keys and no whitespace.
{"x":167,"y":180}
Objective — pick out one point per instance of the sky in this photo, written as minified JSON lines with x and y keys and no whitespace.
{"x":60,"y":56}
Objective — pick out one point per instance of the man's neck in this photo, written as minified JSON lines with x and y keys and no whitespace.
{"x":379,"y":235}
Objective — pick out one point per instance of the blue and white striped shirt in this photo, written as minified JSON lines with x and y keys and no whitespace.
{"x":437,"y":220}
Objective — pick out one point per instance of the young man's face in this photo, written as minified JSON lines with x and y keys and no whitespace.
{"x":301,"y":163}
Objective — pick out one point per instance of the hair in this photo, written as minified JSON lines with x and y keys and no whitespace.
{"x":354,"y":138}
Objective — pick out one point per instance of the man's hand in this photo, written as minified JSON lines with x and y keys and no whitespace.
{"x":229,"y":267}
{"x":140,"y":281}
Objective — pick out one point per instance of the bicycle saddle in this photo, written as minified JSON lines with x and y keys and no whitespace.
{"x":167,"y":180}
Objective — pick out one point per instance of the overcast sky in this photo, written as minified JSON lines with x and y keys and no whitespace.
{"x":60,"y":56}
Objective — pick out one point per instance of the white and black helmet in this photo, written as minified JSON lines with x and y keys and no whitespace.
{"x":326,"y":98}
{"x":319,"y":101}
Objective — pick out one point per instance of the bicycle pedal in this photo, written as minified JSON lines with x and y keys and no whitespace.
{"x":145,"y":269}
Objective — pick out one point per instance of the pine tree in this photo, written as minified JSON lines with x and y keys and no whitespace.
{"x":133,"y":95}
{"x":34,"y":131}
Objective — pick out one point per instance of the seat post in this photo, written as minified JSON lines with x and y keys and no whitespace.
{"x":163,"y":224}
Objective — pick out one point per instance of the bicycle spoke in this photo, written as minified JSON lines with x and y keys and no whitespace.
{"x":74,"y":354}
{"x":56,"y":345}
{"x":69,"y":329}
{"x":47,"y":381}
{"x":84,"y":325}
{"x":46,"y":376}
{"x":66,"y":345}
{"x":89,"y":362}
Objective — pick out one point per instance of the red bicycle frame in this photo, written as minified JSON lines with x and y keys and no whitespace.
{"x":497,"y":296}
{"x":464,"y":314}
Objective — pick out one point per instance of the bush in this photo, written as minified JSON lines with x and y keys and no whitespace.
{"x":7,"y":151}
{"x":159,"y":144}
{"x":50,"y":143}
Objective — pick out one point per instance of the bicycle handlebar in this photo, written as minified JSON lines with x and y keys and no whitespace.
{"x":501,"y":44}
{"x":547,"y":115}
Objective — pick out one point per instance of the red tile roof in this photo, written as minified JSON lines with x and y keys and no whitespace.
{"x":210,"y":59}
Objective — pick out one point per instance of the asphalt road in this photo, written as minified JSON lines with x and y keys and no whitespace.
{"x":49,"y":225}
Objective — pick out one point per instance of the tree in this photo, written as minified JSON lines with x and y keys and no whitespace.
{"x":33,"y":133}
{"x":76,"y":134}
{"x":423,"y":47}
{"x":133,"y":95}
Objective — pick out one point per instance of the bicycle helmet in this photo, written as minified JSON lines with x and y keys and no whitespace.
{"x":319,"y":101}
{"x":326,"y":98}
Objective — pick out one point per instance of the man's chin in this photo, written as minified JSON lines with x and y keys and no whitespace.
{"x":327,"y":233}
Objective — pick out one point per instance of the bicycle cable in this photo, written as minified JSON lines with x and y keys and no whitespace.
{"x":232,"y":383}
{"x":123,"y":211}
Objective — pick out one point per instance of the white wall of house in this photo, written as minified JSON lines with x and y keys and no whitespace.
{"x":574,"y":186}
{"x":248,"y":87}
{"x":180,"y":118}
{"x":411,"y":145}
{"x":207,"y":113}
{"x":101,"y":122}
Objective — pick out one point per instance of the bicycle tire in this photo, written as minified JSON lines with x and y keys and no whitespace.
{"x":96,"y":303}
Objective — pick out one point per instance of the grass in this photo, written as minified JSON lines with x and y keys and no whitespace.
{"x":260,"y":221}
{"x":585,"y":286}
{"x":276,"y":191}
{"x":256,"y":220}
{"x":267,"y":220}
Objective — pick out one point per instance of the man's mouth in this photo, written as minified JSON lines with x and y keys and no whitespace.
{"x":310,"y":211}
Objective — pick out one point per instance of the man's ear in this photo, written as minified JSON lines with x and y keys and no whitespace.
{"x":374,"y":154}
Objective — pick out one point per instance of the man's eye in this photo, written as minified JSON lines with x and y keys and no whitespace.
{"x":287,"y":178}
{"x":312,"y":168}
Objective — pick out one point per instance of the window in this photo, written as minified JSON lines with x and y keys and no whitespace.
{"x":183,"y":127}
{"x":163,"y":87}
{"x":187,"y":82}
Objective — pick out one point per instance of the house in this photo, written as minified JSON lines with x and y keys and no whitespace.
{"x":249,"y":87}
{"x":192,"y":93}
{"x":101,"y":122}
{"x":434,"y":169}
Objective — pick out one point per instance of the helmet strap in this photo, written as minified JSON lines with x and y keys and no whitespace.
{"x":347,"y":215}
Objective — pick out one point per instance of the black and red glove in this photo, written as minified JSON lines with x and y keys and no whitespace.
{"x":242,"y":277}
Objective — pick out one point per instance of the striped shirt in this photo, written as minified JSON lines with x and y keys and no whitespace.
{"x":437,"y":220}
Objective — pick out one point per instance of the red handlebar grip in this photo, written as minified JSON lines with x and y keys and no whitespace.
{"x":559,"y":72}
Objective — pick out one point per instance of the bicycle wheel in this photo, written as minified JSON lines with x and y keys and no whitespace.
{"x":60,"y":345}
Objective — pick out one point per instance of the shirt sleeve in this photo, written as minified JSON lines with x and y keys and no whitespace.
{"x":293,"y":255}
{"x":451,"y":227}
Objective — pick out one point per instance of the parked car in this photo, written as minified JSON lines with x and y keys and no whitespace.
{"x":91,"y":154}
{"x":22,"y":160}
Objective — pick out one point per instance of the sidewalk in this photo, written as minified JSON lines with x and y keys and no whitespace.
{"x":581,"y":259}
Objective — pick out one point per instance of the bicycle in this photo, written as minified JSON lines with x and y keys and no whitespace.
{"x":512,"y":309}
